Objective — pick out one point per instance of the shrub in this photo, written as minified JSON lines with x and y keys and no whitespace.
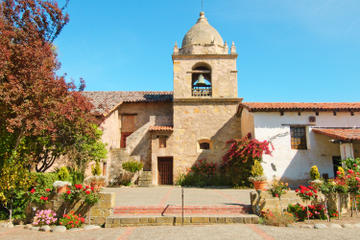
{"x":257,"y":169}
{"x":71,"y":220}
{"x":316,"y":211}
{"x":96,"y":170}
{"x":132,"y":166}
{"x":307,"y":193}
{"x":44,"y":180}
{"x":79,"y":191}
{"x":63,"y":174}
{"x":239,"y":158}
{"x":76,"y":176}
{"x":314,"y":173}
{"x":278,"y":219}
{"x":278,"y":188}
{"x":44,"y":217}
{"x":203,"y":167}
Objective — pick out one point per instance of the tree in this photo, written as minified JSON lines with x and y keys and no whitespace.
{"x":37,"y":107}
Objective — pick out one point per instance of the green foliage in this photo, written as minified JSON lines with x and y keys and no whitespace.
{"x":87,"y":148}
{"x":63,"y":174}
{"x":316,"y":211}
{"x":15,"y":180}
{"x":278,"y":188}
{"x":132,"y":166}
{"x":198,"y":180}
{"x":314,"y":173}
{"x":257,"y":169}
{"x":351,"y":163}
{"x":76,"y":177}
{"x":95,"y":169}
{"x":44,"y":180}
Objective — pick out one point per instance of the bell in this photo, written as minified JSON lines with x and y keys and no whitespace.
{"x":201,"y":81}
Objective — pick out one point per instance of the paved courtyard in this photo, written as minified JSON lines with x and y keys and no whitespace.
{"x":209,"y":232}
{"x":163,"y":195}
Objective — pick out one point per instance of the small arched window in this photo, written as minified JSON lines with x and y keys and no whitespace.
{"x":204,"y":144}
{"x":201,"y":81}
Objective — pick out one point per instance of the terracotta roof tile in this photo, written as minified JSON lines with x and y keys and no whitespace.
{"x":344,"y":134}
{"x":161,"y":128}
{"x":105,"y":101}
{"x":288,"y":106}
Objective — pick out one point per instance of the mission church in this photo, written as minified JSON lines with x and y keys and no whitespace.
{"x":170,"y":131}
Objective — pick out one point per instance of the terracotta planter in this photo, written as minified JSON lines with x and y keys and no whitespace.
{"x":260,"y":185}
{"x":97,"y":185}
{"x":62,"y":189}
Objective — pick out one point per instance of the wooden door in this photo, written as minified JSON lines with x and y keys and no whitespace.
{"x":165,"y":168}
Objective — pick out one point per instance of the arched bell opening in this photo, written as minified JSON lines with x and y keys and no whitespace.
{"x":201,"y":81}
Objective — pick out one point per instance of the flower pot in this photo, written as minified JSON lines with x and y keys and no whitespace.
{"x":260,"y":185}
{"x":61,"y":189}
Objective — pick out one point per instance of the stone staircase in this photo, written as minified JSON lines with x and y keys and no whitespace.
{"x":145,"y":179}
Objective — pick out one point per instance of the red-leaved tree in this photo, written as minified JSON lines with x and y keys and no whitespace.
{"x":41,"y":114}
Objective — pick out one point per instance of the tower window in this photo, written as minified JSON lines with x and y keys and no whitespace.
{"x":204,"y":145}
{"x":201,"y":82}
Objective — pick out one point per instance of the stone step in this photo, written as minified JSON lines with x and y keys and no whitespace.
{"x":117,"y":221}
{"x":176,"y":210}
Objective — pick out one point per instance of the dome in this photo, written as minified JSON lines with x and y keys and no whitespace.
{"x":202,"y":33}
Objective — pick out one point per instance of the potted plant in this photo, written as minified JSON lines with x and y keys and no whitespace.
{"x":257,"y":176}
{"x":61,"y":186}
{"x":96,"y":181}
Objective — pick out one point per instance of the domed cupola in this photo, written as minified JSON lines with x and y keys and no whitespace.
{"x":202,"y":38}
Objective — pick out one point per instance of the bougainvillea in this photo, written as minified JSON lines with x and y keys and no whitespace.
{"x":240,"y":157}
{"x":204,"y":168}
{"x":245,"y":149}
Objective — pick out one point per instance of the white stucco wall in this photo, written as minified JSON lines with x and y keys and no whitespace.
{"x":293,"y":165}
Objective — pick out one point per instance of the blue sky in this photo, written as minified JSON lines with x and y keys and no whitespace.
{"x":300,"y":50}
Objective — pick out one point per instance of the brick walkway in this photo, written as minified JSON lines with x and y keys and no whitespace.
{"x":213,"y":232}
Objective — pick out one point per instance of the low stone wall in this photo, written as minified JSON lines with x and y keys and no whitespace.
{"x":98,"y":212}
{"x":263,"y":200}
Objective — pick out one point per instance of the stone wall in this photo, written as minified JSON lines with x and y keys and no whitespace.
{"x":198,"y":120}
{"x":98,"y":213}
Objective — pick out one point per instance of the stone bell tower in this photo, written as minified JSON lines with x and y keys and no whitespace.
{"x":205,"y":96}
{"x":204,"y":54}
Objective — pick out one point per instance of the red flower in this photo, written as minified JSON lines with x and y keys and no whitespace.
{"x":46,"y":198}
{"x":338,"y":173}
{"x":68,"y":192}
{"x":48,"y":189}
{"x":60,"y":223}
{"x":87,"y":192}
{"x":32,"y":190}
{"x":72,"y":225}
{"x":77,"y":222}
{"x":92,"y":188}
{"x":276,"y":195}
{"x":82,"y":220}
{"x":42,"y":198}
{"x":297,"y":190}
{"x":351,"y":171}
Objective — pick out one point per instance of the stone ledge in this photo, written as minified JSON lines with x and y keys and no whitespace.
{"x":115,"y":221}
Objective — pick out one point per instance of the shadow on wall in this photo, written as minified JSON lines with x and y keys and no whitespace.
{"x":297,"y":170}
{"x":230,"y":130}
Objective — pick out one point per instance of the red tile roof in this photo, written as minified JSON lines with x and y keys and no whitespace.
{"x":344,"y":134}
{"x":287,"y":106}
{"x":161,"y":128}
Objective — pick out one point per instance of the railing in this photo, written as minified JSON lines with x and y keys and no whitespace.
{"x":202,"y":91}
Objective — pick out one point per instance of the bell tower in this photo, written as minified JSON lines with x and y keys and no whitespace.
{"x":203,"y":66}
{"x":205,"y":97}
